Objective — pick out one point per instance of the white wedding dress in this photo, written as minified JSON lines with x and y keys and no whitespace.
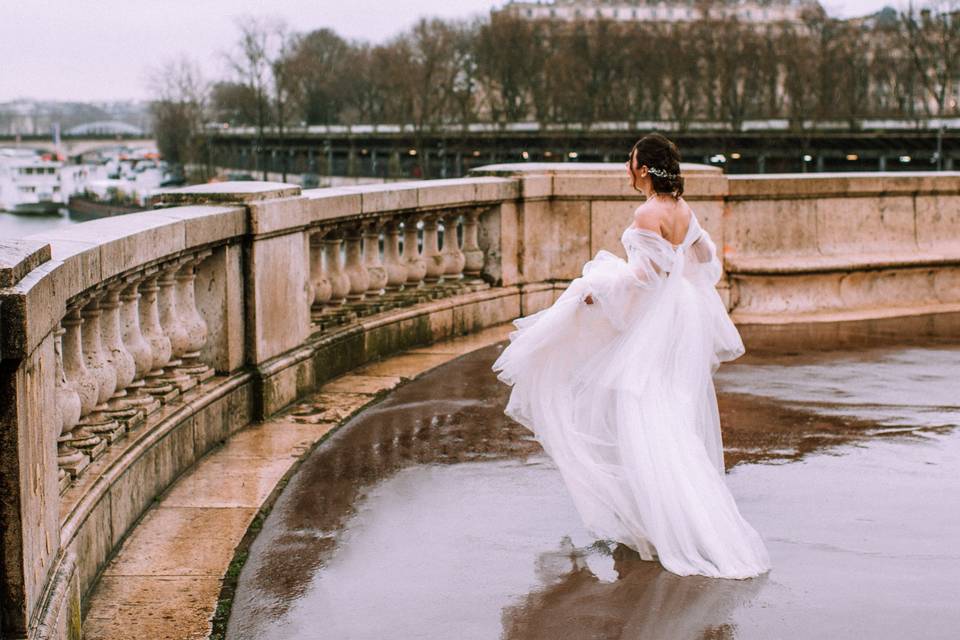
{"x":620,"y":395}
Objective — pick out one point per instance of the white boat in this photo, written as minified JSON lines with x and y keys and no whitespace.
{"x":30,"y":183}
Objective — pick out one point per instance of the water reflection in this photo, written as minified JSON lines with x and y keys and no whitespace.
{"x":609,"y":592}
{"x":442,"y":419}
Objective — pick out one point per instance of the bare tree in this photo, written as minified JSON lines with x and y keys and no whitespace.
{"x":507,"y":68}
{"x":233,"y":103}
{"x":179,"y":109}
{"x":251,"y":62}
{"x":320,"y":63}
{"x":509,"y":59}
{"x":933,"y":41}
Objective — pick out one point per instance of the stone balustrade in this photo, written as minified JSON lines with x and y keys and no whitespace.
{"x":130,"y":346}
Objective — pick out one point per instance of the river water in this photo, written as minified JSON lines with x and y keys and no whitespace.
{"x":16,"y":225}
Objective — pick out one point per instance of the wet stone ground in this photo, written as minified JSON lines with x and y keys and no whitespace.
{"x":432,"y":515}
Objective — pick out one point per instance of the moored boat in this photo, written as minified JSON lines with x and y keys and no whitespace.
{"x":30,"y":183}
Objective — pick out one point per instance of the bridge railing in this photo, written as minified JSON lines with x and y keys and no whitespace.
{"x":130,"y":346}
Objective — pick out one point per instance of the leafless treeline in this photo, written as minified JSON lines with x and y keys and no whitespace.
{"x":506,"y":69}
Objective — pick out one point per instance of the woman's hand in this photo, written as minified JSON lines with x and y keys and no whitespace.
{"x":588,"y":299}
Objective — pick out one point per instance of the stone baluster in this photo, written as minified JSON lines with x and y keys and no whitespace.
{"x":83,"y":382}
{"x":412,"y":258}
{"x":473,"y":254}
{"x":333,"y":266}
{"x":173,"y":327}
{"x":453,"y":257}
{"x":95,"y":357}
{"x":356,"y":271}
{"x":322,"y":287}
{"x":138,"y":347}
{"x":431,"y":251}
{"x":310,"y":291}
{"x":376,"y":272}
{"x":119,"y":358}
{"x":69,"y":458}
{"x":155,"y":383}
{"x":193,"y":323}
{"x":396,"y":269}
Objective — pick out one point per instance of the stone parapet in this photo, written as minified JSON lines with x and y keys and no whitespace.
{"x":130,"y":346}
{"x":808,"y":247}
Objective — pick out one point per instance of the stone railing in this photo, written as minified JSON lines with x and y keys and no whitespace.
{"x":842,"y":247}
{"x":131,"y":346}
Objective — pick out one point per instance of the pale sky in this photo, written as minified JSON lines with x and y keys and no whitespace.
{"x":102,"y":49}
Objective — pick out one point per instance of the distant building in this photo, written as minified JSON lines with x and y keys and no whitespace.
{"x":750,"y":11}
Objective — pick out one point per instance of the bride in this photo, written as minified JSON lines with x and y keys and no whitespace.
{"x":616,"y":382}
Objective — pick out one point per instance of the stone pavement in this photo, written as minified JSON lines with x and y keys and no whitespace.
{"x":431,"y":515}
{"x":166,"y":578}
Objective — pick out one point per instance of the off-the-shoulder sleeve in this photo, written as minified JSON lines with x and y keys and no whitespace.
{"x":615,"y":287}
{"x":703,"y":264}
{"x":704,"y":269}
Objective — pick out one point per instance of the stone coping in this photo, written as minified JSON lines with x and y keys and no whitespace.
{"x":165,"y":580}
{"x":231,"y":192}
{"x":846,"y":184}
{"x":20,"y":257}
{"x":84,"y":256}
{"x":798,"y":264}
{"x":40,"y":274}
{"x":744,"y":320}
{"x":567,"y":168}
{"x":598,"y":180}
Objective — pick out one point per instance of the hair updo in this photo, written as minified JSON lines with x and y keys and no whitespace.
{"x":658,"y":153}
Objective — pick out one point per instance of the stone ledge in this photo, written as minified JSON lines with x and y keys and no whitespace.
{"x":581,"y":180}
{"x":227,"y":192}
{"x":20,"y":257}
{"x":816,"y":185}
{"x":784,"y":264}
{"x":408,"y":197}
{"x":746,"y":320}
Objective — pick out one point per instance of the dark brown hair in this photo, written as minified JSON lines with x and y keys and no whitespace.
{"x":657,"y":152}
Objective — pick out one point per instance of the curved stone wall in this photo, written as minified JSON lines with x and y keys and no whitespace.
{"x":129,"y":347}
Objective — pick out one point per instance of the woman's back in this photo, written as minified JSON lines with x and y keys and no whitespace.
{"x":669,"y":218}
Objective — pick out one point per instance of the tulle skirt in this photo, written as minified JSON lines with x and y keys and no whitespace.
{"x":620,"y":395}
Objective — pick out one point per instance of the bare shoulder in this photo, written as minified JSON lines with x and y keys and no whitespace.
{"x":648,"y":216}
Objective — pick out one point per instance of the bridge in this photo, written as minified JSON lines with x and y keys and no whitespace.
{"x":73,"y":147}
{"x":446,"y":151}
{"x":131,"y":348}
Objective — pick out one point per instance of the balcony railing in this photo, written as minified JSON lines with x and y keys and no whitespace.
{"x":130,"y":346}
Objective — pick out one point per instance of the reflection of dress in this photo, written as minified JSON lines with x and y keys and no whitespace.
{"x":620,"y":394}
{"x":643,"y":602}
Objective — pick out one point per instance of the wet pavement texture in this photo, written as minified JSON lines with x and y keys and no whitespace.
{"x":432,"y":515}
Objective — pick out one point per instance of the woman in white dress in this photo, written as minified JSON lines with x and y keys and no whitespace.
{"x":616,"y":382}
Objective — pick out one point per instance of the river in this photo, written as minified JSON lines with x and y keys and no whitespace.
{"x":15,"y":225}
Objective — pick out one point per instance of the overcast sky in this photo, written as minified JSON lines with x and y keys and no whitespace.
{"x":102,"y":49}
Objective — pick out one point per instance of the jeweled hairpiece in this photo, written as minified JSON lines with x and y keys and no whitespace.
{"x":661,"y":173}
